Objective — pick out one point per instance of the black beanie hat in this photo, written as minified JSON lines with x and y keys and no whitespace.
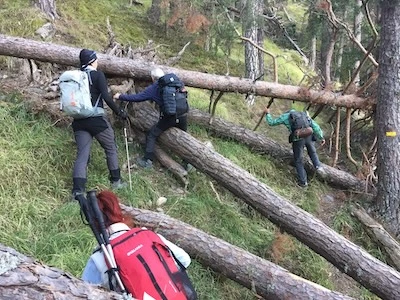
{"x":87,"y":57}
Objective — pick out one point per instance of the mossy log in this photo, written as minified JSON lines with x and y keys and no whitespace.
{"x":138,"y":69}
{"x":349,"y":258}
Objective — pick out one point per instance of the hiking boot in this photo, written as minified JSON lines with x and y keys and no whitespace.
{"x":188,"y":167}
{"x":116,"y":185}
{"x":302,"y":184}
{"x":76,"y":194}
{"x":144,"y":163}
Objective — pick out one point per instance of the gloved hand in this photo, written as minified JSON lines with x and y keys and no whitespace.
{"x":122,"y":114}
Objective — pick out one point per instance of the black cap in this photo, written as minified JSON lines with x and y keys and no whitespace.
{"x":87,"y":57}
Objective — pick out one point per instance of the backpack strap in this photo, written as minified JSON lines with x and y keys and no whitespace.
{"x":87,"y":71}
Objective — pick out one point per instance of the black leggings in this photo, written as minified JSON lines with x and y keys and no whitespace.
{"x":163,"y":124}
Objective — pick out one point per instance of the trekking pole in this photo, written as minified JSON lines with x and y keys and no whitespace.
{"x":105,"y":243}
{"x":127,"y":157}
{"x":262,"y":117}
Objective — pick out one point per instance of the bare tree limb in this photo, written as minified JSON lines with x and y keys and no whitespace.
{"x":335,"y":22}
{"x":348,"y":147}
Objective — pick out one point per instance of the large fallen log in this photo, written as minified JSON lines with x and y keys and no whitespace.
{"x":260,"y":143}
{"x":23,"y":278}
{"x":349,"y":258}
{"x":48,"y":52}
{"x":259,"y":275}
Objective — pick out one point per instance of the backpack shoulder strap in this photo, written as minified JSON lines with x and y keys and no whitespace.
{"x":91,"y":83}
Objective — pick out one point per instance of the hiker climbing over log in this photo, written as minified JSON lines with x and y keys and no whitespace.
{"x":303,"y":132}
{"x":168,"y":91}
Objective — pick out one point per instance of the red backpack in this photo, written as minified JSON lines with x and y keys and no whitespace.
{"x":146,"y":265}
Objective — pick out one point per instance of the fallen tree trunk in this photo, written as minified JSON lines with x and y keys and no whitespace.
{"x":349,"y":258}
{"x":260,"y":143}
{"x":22,"y":278}
{"x":47,"y":52}
{"x":379,"y":235}
{"x":259,"y":275}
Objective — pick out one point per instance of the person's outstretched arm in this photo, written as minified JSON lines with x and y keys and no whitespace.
{"x":149,"y":93}
{"x":282,"y":119}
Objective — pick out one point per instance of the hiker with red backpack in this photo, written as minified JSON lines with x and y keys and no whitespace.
{"x":303,"y":131}
{"x":146,"y":265}
{"x":169,"y":93}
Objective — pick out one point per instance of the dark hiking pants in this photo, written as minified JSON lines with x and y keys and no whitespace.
{"x":298,"y":147}
{"x":163,"y":124}
{"x":84,"y":140}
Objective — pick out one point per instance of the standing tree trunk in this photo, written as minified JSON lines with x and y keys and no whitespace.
{"x":313,"y":55}
{"x":252,"y":28}
{"x":154,"y":13}
{"x":329,"y":41}
{"x":388,"y":117}
{"x":357,"y":33}
{"x":48,"y":7}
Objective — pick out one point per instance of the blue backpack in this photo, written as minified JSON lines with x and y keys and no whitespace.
{"x":173,"y":95}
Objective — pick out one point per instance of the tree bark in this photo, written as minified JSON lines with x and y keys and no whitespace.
{"x":358,"y":17}
{"x":252,"y":28}
{"x":154,"y":12}
{"x":22,"y":278}
{"x":379,"y":235}
{"x":268,"y":280}
{"x":48,"y":7}
{"x":345,"y":255}
{"x":260,"y":143}
{"x":47,"y":52}
{"x":329,"y":40}
{"x":387,"y":117}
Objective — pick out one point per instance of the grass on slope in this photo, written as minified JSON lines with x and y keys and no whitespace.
{"x":39,"y":220}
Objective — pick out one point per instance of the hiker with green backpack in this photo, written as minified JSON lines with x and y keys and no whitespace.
{"x":82,"y":93}
{"x":303,"y":131}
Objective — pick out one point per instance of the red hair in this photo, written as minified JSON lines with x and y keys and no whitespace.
{"x":109,"y":205}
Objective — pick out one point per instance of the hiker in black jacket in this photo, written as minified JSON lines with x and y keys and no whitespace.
{"x":97,"y":126}
{"x":153,"y":92}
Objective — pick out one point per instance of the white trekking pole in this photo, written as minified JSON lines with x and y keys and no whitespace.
{"x":127,"y":157}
